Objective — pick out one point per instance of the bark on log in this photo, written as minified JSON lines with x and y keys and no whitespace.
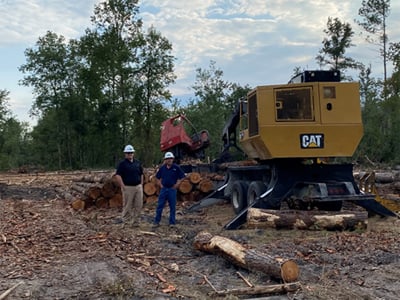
{"x":384,"y":177}
{"x":284,"y":269}
{"x":315,"y":220}
{"x":102,"y":202}
{"x":109,"y":189}
{"x":151,"y":199}
{"x":93,"y":192}
{"x":78,"y":189}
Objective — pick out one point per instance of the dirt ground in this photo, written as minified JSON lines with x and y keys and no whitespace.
{"x":50,"y":251}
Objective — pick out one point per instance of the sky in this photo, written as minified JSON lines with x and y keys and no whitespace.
{"x":254,"y":42}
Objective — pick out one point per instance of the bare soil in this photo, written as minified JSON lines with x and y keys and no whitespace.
{"x":54,"y":252}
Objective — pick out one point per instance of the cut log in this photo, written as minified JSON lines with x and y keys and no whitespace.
{"x":93,"y":192}
{"x":109,"y":189}
{"x":185,"y":186}
{"x":115,"y":201}
{"x":78,"y":204}
{"x":276,"y":267}
{"x":206,"y":186}
{"x":194,"y":177}
{"x":102,"y":202}
{"x":78,"y":188}
{"x":151,"y":199}
{"x":384,"y":177}
{"x":315,"y":220}
{"x":149,"y":188}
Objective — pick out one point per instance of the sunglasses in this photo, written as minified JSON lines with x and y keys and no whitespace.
{"x":129,"y":153}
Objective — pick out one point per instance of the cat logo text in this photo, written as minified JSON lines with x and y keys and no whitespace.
{"x":312,"y":141}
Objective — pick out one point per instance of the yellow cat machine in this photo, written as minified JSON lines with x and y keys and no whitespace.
{"x":297,"y":133}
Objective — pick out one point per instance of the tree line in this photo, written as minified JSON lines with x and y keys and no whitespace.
{"x":110,"y":87}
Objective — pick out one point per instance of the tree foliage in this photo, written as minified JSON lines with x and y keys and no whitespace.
{"x":214,"y":103}
{"x":338,"y":40}
{"x":102,"y":91}
{"x":12,"y":134}
{"x":374,"y":14}
{"x":110,"y":87}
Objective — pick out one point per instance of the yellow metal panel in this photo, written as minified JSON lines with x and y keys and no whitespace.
{"x":345,"y":107}
{"x":284,"y":141}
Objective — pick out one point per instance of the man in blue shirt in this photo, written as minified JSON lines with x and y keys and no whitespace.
{"x":169,"y":176}
{"x":130,"y":177}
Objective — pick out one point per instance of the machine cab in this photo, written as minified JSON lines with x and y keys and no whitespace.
{"x":314,"y":115}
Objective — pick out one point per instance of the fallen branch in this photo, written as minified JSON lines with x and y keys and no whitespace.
{"x":7,"y":292}
{"x":260,"y":289}
{"x":245,"y":279}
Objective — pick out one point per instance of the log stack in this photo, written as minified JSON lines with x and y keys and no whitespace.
{"x":105,"y":193}
{"x":100,"y":195}
{"x":193,"y":187}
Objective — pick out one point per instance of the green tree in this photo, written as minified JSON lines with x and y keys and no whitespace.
{"x":214,"y":103}
{"x":156,"y":73}
{"x":11,"y":136}
{"x":98,"y":93}
{"x":374,"y":14}
{"x":52,"y":69}
{"x":336,"y":43}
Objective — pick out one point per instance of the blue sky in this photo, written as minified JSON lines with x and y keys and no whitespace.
{"x":253,"y":41}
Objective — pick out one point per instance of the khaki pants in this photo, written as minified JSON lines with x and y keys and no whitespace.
{"x":132,"y":204}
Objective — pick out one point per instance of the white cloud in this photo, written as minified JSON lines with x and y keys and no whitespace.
{"x":253,"y":41}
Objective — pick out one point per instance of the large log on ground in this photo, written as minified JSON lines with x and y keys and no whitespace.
{"x":290,"y":219}
{"x":276,"y":267}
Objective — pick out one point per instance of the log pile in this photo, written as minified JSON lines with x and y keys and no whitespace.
{"x":104,"y":192}
{"x":101,"y":194}
{"x":192,"y":188}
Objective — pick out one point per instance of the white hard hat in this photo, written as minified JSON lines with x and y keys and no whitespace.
{"x":168,"y":155}
{"x":129,"y":148}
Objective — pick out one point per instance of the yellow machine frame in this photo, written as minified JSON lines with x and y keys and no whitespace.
{"x":301,"y":120}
